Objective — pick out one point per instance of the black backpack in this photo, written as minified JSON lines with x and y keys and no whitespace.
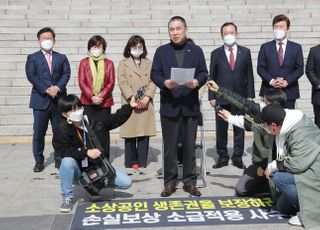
{"x":95,"y":177}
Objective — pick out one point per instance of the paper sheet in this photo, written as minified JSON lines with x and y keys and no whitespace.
{"x":182,"y":75}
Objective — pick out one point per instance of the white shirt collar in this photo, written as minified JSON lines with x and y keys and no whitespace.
{"x":44,"y":52}
{"x":234,"y":47}
{"x":284,"y":42}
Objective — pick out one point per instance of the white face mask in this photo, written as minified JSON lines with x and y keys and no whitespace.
{"x":76,"y":116}
{"x":46,"y":44}
{"x":136,"y":52}
{"x":229,"y":39}
{"x":96,"y":52}
{"x":279,"y":34}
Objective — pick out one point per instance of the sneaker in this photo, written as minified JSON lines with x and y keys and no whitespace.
{"x":66,"y":205}
{"x":135,"y":166}
{"x":295,"y":221}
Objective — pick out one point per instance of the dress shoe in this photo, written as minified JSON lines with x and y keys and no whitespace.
{"x":192,"y":190}
{"x":168,"y":190}
{"x":38,"y":167}
{"x":221,"y":163}
{"x":238,"y":163}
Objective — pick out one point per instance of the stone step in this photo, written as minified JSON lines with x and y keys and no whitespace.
{"x":117,"y":20}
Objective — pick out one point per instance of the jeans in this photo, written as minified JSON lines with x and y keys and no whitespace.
{"x":70,"y":172}
{"x":288,"y":202}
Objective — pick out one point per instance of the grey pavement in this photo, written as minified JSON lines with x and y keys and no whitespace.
{"x":31,"y":200}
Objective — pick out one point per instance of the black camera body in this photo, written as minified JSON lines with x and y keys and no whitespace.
{"x":218,"y":108}
{"x":140,"y":93}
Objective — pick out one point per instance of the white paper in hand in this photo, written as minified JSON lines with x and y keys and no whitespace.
{"x":182,"y":75}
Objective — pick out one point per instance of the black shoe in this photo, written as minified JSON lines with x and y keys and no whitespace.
{"x":238,"y":163}
{"x":221,"y":163}
{"x":38,"y":167}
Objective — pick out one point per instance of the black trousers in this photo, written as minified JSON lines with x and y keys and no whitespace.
{"x":136,"y":151}
{"x":250,"y":183}
{"x":95,"y":113}
{"x":316,"y":110}
{"x":222,"y":136}
{"x":170,"y":133}
{"x":290,"y":104}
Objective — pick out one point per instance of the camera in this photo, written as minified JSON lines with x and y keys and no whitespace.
{"x":218,"y":108}
{"x":140,"y":93}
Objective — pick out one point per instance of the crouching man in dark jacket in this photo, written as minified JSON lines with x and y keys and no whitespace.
{"x":74,"y":148}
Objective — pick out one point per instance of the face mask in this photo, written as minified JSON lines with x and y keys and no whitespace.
{"x":279,"y":34}
{"x":229,"y":39}
{"x":136,"y":53}
{"x":96,"y":52}
{"x":46,"y":44}
{"x":76,"y":116}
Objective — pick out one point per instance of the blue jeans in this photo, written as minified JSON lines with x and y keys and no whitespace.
{"x":288,"y":202}
{"x":70,"y":172}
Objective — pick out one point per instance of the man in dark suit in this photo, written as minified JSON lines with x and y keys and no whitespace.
{"x":179,"y":104}
{"x":231,"y":67}
{"x":313,"y":73}
{"x":48,"y":72}
{"x":280,"y":62}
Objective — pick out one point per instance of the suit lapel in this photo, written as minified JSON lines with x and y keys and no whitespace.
{"x":43,"y":60}
{"x":144,"y":64}
{"x":172,"y":57}
{"x":287,"y":53}
{"x":224,"y":57}
{"x":53,"y":62}
{"x":132,"y":66}
{"x":274,"y":52}
{"x":187,"y":55}
{"x":239,"y":56}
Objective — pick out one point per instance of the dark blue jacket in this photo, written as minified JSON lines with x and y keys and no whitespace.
{"x":291,"y":69}
{"x":313,"y":73}
{"x":239,"y":80}
{"x":39,"y":76}
{"x":181,"y":100}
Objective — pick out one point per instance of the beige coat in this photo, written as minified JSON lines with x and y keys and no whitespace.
{"x":130,"y":79}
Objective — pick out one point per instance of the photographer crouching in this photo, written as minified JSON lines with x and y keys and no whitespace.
{"x":79,"y":156}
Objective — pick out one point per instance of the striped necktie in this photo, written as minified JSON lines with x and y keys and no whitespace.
{"x":280,"y":53}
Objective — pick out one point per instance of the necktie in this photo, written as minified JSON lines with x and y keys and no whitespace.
{"x":48,"y":58}
{"x":231,"y":61}
{"x":280,"y":53}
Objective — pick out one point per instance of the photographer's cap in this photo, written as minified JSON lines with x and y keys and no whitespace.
{"x":272,"y":113}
